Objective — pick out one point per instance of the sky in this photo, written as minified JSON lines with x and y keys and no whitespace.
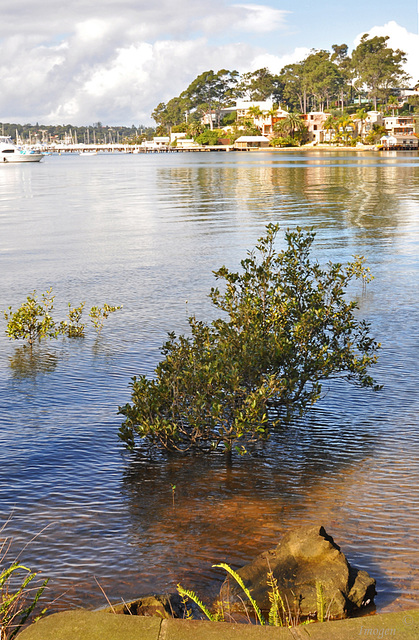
{"x":114,"y":61}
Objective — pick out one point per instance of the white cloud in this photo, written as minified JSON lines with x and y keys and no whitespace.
{"x":71,"y":63}
{"x":92,"y":30}
{"x":259,"y":18}
{"x":276,"y":63}
{"x":81,"y":63}
{"x":125,"y":87}
{"x":399,"y":38}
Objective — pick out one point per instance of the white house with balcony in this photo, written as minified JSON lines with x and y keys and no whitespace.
{"x":266,"y":120}
{"x":400,"y":124}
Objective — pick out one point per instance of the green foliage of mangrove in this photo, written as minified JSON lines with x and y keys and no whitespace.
{"x":33,"y":320}
{"x":98,"y":315}
{"x":286,"y":327}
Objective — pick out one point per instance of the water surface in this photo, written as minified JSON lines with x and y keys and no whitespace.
{"x":146,"y":232}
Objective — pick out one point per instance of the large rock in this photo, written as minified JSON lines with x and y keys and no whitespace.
{"x":306,"y":562}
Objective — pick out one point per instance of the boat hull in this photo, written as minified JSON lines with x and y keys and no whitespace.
{"x":22,"y":157}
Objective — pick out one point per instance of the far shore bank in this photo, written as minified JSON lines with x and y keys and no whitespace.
{"x":128,"y":149}
{"x":320,"y":147}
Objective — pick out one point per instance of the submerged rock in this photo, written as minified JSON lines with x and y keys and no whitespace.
{"x":163,"y":606}
{"x":166,"y":606}
{"x":309,"y":567}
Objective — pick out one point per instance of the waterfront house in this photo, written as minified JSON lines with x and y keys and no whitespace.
{"x":400,"y":141}
{"x":177,"y":135}
{"x":367,"y":125}
{"x":314,"y":122}
{"x":186,"y":143}
{"x":267,"y":117}
{"x":243,"y":106}
{"x":161,"y":141}
{"x":251,"y":142}
{"x":401,"y":124}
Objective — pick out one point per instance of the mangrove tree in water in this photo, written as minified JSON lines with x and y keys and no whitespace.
{"x":286,"y":327}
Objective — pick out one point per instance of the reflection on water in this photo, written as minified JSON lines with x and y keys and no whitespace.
{"x":146,"y":232}
{"x":26,"y":362}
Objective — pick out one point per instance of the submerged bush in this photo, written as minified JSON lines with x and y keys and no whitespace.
{"x":286,"y":327}
{"x":33,"y":320}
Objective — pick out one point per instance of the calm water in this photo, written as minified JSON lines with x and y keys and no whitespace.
{"x":146,"y":232}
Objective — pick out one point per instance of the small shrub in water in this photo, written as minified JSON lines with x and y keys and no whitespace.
{"x":98,"y":315}
{"x":33,"y":320}
{"x":74,"y":327}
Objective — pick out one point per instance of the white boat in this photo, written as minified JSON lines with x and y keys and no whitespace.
{"x":9,"y":152}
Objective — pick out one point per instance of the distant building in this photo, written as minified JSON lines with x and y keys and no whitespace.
{"x":177,"y":135}
{"x":186,"y":143}
{"x":407,"y":93}
{"x":243,"y":106}
{"x":266,"y":120}
{"x":158,"y":142}
{"x":251,"y":142}
{"x":314,"y":122}
{"x":373,"y":117}
{"x":161,"y":141}
{"x":401,"y":141}
{"x":401,"y":124}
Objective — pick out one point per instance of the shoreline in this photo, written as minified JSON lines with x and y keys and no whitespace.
{"x":81,"y":624}
{"x":320,"y":147}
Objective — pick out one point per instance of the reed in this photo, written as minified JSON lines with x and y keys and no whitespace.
{"x":18,"y":596}
{"x":280,"y":613}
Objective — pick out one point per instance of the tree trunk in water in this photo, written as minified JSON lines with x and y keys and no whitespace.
{"x":229,"y":458}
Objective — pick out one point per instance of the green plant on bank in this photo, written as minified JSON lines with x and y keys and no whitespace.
{"x":320,"y":602}
{"x":286,"y":141}
{"x":187,"y":594}
{"x":17,"y":602}
{"x":278,"y":616}
{"x":18,"y":598}
{"x":287,"y":326}
{"x":32,"y":321}
{"x":98,"y":315}
{"x":209,"y":137}
{"x":375,"y":135}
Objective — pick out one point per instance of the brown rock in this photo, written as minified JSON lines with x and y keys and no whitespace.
{"x":162,"y":606}
{"x":305,"y":562}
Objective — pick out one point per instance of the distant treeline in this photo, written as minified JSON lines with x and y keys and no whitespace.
{"x":322,"y":81}
{"x":96,"y":133}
